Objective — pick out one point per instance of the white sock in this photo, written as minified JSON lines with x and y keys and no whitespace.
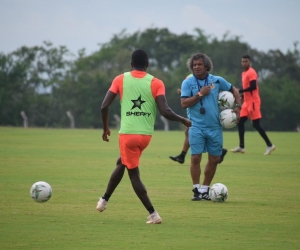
{"x":203,"y":189}
{"x":196,"y":186}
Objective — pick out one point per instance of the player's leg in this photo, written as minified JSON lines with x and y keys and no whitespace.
{"x":195,"y":171}
{"x":197,"y":142}
{"x":241,"y":129}
{"x":245,"y":112}
{"x":222,"y":156}
{"x":255,"y":117}
{"x":140,"y":190}
{"x":261,"y":131}
{"x":210,"y":170}
{"x":181,"y":157}
{"x":270,"y":147}
{"x":209,"y":173}
{"x":116,"y":176}
{"x":135,"y":146}
{"x":214,"y":148}
{"x":114,"y":181}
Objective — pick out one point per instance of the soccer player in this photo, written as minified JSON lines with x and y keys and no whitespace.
{"x":140,"y":93}
{"x":250,"y":107}
{"x":199,"y":95}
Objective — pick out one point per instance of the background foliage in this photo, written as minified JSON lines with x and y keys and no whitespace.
{"x":45,"y":81}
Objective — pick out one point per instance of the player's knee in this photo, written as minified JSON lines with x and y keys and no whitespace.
{"x":119,"y":162}
{"x":214,"y":159}
{"x":256,"y":124}
{"x":195,"y":161}
{"x":240,"y":125}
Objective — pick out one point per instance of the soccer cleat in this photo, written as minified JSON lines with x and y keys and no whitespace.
{"x":101,"y":205}
{"x":177,"y":158}
{"x":196,"y":196}
{"x":205,"y":196}
{"x":238,"y":149}
{"x":269,"y":150}
{"x":154,"y":218}
{"x":224,"y":152}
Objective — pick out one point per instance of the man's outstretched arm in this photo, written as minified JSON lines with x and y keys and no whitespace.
{"x":168,"y":113}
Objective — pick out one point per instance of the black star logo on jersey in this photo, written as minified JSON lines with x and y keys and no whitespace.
{"x":137,"y":103}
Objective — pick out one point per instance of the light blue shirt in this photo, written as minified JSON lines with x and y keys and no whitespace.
{"x":191,"y":86}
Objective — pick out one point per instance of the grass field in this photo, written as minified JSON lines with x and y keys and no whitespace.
{"x":262,"y":211}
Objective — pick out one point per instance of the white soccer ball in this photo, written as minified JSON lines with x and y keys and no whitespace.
{"x":41,"y":191}
{"x":227,"y":118}
{"x":226,"y":100}
{"x":218,"y":192}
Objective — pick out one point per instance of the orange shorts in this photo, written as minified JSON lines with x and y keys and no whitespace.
{"x":131,"y":148}
{"x":251,"y":110}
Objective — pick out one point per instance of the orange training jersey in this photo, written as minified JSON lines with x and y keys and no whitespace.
{"x":247,"y":76}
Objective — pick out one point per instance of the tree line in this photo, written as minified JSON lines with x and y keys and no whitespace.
{"x":46,"y":81}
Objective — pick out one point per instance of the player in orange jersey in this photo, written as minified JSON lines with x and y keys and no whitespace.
{"x":250,"y":107}
{"x":140,"y":94}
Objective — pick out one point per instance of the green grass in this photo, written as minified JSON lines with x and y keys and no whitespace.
{"x":262,"y":211}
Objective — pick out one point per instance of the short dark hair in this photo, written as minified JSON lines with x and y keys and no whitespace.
{"x":246,"y":57}
{"x":206,"y":60}
{"x":139,"y":59}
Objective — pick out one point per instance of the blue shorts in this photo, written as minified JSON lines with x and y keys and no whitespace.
{"x":206,"y":140}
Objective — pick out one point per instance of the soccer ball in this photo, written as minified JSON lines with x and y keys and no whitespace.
{"x":41,"y":191}
{"x":227,"y":118}
{"x":218,"y":192}
{"x":225,"y":100}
